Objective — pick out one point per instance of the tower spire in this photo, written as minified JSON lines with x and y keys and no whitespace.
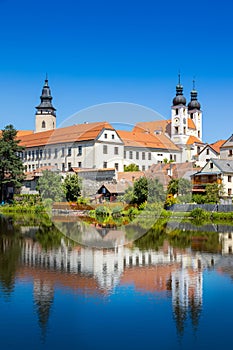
{"x":179,"y":99}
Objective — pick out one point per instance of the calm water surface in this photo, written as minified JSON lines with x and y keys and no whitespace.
{"x":172,"y":289}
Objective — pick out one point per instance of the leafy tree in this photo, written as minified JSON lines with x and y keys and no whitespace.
{"x":50,"y":186}
{"x":72,"y":187}
{"x":150,"y":190}
{"x":155,"y":191}
{"x":140,"y":190}
{"x":131,"y":167}
{"x":11,"y":166}
{"x":213,"y":192}
{"x":179,"y":186}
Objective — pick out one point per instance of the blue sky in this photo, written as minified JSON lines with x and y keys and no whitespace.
{"x":116,"y":51}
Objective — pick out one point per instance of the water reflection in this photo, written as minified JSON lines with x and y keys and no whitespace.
{"x":166,"y":263}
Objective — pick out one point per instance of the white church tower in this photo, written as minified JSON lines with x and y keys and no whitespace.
{"x":195,"y":113}
{"x":45,"y":118}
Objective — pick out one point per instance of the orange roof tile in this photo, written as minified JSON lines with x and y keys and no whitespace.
{"x":78,"y":132}
{"x":129,"y":175}
{"x":191,"y":124}
{"x":156,"y":125}
{"x":193,"y":139}
{"x":139,"y":139}
{"x":216,"y":145}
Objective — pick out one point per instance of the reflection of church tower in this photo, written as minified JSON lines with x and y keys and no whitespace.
{"x":43,"y":298}
{"x":186,"y":297}
{"x":46,"y":113}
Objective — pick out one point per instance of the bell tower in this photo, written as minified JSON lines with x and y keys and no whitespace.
{"x":195,"y":113}
{"x":45,"y":118}
{"x":179,"y":116}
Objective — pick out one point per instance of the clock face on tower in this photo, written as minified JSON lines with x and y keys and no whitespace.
{"x":176,"y":121}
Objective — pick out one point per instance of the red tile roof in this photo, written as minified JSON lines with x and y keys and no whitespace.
{"x":78,"y":132}
{"x":139,"y":139}
{"x":193,"y":139}
{"x":156,"y":125}
{"x":216,"y":145}
{"x":191,"y":124}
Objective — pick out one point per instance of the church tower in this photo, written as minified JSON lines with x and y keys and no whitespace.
{"x":179,"y":117}
{"x":194,"y":112}
{"x":45,"y":118}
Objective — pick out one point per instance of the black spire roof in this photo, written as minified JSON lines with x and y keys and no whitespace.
{"x":46,"y":100}
{"x":179,"y":99}
{"x":194,"y":104}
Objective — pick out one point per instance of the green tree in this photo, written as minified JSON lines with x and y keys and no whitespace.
{"x":131,"y":167}
{"x":179,"y":187}
{"x":50,"y":186}
{"x":155,"y":191}
{"x":140,"y":190}
{"x":213,"y":192}
{"x":72,"y":187}
{"x":11,"y":166}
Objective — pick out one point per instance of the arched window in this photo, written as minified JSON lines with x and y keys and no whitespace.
{"x":43,"y":125}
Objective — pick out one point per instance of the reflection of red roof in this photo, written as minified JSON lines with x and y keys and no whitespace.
{"x":74,"y":282}
{"x":154,"y":279}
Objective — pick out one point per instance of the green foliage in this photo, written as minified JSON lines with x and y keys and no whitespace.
{"x":199,"y":215}
{"x":170,"y":200}
{"x":50,"y":186}
{"x":11,"y":166}
{"x":214,"y":192}
{"x":179,"y":187}
{"x":102,"y":210}
{"x":131,"y":167}
{"x":199,"y":198}
{"x":72,"y":187}
{"x":155,"y":191}
{"x":140,"y":191}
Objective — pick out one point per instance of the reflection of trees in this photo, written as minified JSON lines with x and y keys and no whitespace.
{"x":154,"y":238}
{"x":10,"y":253}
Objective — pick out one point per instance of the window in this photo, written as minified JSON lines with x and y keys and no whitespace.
{"x":229,"y":178}
{"x":149,"y":156}
{"x":25,"y":167}
{"x":105,"y":165}
{"x":124,"y":154}
{"x":45,"y":153}
{"x":37,"y":154}
{"x":113,"y":136}
{"x":176,"y":130}
{"x":191,"y":115}
{"x":160,"y":154}
{"x":105,"y":136}
{"x":229,"y":191}
{"x":230,"y":153}
{"x":55,"y":152}
{"x":211,"y":165}
{"x":80,"y":164}
{"x":199,"y":133}
{"x":49,"y":153}
{"x":25,"y":155}
{"x":174,"y":157}
{"x":63,"y":152}
{"x":137,"y":155}
{"x":130,"y":154}
{"x":41,"y":153}
{"x":69,"y":166}
{"x":207,"y":151}
{"x":43,"y":125}
{"x":80,"y":150}
{"x":33,"y":166}
{"x":29,"y":167}
{"x":29,"y":155}
{"x":33,"y":155}
{"x":116,"y":150}
{"x":170,"y":156}
{"x":69,"y":152}
{"x":116,"y":166}
{"x":63,"y":166}
{"x":184,"y":130}
{"x":143,"y":168}
{"x":177,"y":111}
{"x":143,"y":156}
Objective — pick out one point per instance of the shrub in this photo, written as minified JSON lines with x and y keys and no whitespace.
{"x":199,"y":214}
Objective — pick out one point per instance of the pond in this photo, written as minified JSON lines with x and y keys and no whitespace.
{"x":170,"y":289}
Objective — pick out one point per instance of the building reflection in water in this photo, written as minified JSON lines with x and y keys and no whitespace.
{"x":91,"y":271}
